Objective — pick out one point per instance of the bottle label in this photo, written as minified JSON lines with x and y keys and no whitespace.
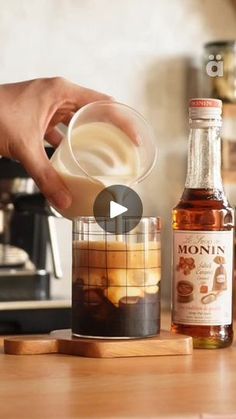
{"x":202,"y":280}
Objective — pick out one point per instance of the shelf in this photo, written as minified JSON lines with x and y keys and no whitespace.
{"x":35,"y":305}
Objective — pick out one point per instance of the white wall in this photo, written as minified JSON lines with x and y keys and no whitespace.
{"x":140,"y":52}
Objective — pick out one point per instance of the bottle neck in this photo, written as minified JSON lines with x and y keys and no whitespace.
{"x":204,"y":158}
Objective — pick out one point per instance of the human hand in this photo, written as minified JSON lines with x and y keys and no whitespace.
{"x":30,"y":111}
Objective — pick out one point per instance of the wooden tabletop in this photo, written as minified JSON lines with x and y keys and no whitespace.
{"x":202,"y":385}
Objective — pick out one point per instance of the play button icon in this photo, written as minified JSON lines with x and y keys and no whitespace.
{"x":118,"y":209}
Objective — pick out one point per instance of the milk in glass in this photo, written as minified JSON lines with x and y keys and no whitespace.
{"x":101,"y":155}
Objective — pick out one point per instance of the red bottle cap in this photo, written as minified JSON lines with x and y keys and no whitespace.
{"x":205,"y":108}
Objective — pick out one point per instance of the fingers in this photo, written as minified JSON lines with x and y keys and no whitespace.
{"x":74,"y":97}
{"x":54,"y":137}
{"x":81,"y":96}
{"x":49,"y":182}
{"x":67,"y":118}
{"x":126,"y":125}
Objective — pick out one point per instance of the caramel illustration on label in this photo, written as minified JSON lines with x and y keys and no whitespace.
{"x":220,"y":277}
{"x":185,"y":291}
{"x":186,"y":265}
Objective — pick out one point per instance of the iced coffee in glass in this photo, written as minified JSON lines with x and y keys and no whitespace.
{"x":116,"y":280}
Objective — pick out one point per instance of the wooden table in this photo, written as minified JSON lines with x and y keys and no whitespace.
{"x":57,"y":386}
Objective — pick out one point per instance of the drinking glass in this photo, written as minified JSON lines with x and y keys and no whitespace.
{"x":116,"y":283}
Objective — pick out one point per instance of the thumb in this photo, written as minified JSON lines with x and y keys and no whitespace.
{"x":47,"y":179}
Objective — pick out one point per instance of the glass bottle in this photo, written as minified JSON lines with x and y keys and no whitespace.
{"x":203,"y":224}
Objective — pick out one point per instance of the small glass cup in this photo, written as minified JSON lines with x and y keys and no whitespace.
{"x":83,"y":184}
{"x":116,"y":280}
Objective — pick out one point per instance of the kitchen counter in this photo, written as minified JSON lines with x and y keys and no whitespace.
{"x":59,"y":386}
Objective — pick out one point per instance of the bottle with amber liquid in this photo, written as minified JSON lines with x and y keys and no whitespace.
{"x":203,"y":225}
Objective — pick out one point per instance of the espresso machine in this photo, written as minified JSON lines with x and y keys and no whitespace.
{"x":27,"y":232}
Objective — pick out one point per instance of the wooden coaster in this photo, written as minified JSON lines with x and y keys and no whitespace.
{"x":62,"y":342}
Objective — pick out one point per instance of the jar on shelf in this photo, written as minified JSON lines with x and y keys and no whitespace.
{"x":220,"y":70}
